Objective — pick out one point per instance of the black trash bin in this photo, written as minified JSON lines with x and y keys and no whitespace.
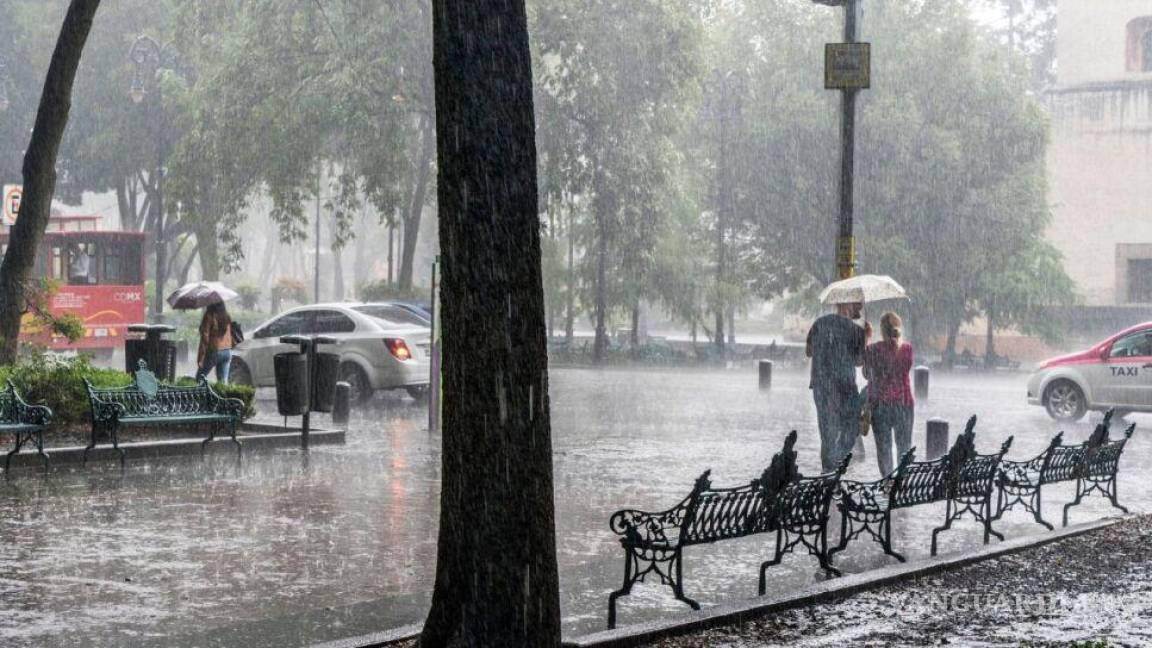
{"x":159,"y":354}
{"x":291,"y":383}
{"x":324,"y":376}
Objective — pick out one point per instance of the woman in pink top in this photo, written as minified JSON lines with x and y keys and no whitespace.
{"x":887,"y":365}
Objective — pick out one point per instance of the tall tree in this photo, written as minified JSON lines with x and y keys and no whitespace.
{"x":40,"y":173}
{"x":496,"y":574}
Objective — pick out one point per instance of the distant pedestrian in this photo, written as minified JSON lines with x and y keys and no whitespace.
{"x":215,"y":350}
{"x":836,"y":346}
{"x":887,"y":366}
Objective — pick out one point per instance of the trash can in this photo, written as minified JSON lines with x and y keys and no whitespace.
{"x":291,"y":383}
{"x":159,"y":354}
{"x":324,"y":376}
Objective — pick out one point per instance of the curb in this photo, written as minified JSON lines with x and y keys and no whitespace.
{"x":251,"y":438}
{"x":376,"y":639}
{"x":743,"y":610}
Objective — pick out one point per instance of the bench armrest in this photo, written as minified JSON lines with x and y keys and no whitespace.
{"x":864,"y":494}
{"x":645,"y":527}
{"x":105,"y":411}
{"x":231,"y":406}
{"x":36,"y":415}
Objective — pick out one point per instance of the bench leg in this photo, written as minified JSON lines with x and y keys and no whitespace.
{"x":1036,"y":511}
{"x":15,"y":450}
{"x":1074,"y":502}
{"x":678,"y":581}
{"x":822,"y":554}
{"x":775,"y":561}
{"x":845,"y":523}
{"x":625,"y":590}
{"x":40,"y":449}
{"x":988,"y":530}
{"x":115,"y":432}
{"x":887,"y":534}
{"x":947,"y":525}
{"x":1111,"y":490}
{"x":92,"y":443}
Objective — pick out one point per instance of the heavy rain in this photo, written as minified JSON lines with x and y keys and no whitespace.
{"x":595,"y":322}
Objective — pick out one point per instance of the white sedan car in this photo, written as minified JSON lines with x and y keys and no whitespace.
{"x":375,"y":353}
{"x":1113,"y":374}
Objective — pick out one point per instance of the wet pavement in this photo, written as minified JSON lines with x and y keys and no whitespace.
{"x":279,"y":551}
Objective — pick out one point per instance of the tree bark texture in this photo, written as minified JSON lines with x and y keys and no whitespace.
{"x":39,"y":172}
{"x":496,"y":575}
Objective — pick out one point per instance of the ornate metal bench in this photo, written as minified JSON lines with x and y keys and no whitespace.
{"x":781,"y":500}
{"x":1092,"y":464}
{"x":147,"y":402}
{"x":24,"y":422}
{"x":962,"y":478}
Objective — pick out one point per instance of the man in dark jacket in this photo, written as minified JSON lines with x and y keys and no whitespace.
{"x":836,"y":346}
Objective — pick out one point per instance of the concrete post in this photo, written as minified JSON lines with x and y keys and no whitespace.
{"x":920,"y":381}
{"x":937,"y":438}
{"x":342,"y":406}
{"x":765,"y":374}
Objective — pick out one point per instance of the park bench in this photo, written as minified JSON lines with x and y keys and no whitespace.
{"x":148,"y":403}
{"x":962,"y":478}
{"x":1092,"y":464}
{"x":24,"y":422}
{"x":781,"y":500}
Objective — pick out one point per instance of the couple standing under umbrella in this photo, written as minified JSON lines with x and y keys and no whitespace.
{"x":218,"y":332}
{"x":837,"y":345}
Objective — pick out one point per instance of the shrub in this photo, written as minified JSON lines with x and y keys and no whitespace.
{"x":227,"y":390}
{"x":58,"y":382}
{"x":249,"y":296}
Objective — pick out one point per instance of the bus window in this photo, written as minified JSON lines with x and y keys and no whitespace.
{"x":56,"y":263}
{"x":112,"y":267}
{"x":81,"y":263}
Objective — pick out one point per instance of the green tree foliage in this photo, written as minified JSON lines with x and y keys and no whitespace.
{"x":609,"y":104}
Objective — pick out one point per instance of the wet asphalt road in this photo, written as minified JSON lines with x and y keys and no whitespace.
{"x":279,"y":551}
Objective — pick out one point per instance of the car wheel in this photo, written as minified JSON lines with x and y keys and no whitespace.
{"x":360,"y":390}
{"x":239,"y":374}
{"x":1065,"y":401}
{"x":419,"y":393}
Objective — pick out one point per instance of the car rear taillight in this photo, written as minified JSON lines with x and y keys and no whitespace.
{"x":398,"y":348}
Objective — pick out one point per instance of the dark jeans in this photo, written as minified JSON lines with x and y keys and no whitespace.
{"x":838,"y":417}
{"x":888,"y":420}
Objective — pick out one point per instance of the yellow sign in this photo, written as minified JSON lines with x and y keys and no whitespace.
{"x":846,"y":256}
{"x":847,"y":66}
{"x":12,"y":197}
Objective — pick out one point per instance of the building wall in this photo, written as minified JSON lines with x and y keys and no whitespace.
{"x":1100,"y":157}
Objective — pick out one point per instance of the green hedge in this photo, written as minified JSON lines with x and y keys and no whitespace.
{"x":58,"y":382}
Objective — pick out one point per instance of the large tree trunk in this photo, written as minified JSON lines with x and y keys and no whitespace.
{"x":416,"y":207}
{"x":40,"y":173}
{"x":950,"y":344}
{"x":496,"y":575}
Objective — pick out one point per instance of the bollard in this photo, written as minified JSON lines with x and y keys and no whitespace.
{"x":765,"y":374}
{"x":922,"y":374}
{"x":937,"y":438}
{"x":341,"y":408}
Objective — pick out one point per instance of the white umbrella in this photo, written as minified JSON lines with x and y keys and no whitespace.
{"x":864,"y":288}
{"x":200,"y":294}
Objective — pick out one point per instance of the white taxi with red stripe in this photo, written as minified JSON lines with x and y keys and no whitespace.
{"x":1115,"y":373}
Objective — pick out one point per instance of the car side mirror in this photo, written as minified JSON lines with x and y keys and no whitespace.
{"x":1106,"y":353}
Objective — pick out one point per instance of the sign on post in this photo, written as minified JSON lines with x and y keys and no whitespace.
{"x":847,"y":66}
{"x":12,"y":197}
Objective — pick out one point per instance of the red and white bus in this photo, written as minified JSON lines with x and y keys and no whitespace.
{"x":100,"y":277}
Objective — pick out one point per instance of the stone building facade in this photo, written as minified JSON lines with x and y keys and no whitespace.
{"x":1100,"y":157}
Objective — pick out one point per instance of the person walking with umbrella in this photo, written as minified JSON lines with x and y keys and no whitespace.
{"x":836,"y":346}
{"x":216,"y":331}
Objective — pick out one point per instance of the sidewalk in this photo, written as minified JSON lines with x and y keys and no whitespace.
{"x":1091,"y":590}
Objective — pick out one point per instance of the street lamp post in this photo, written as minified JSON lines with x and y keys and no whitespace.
{"x":149,"y":59}
{"x":858,"y":74}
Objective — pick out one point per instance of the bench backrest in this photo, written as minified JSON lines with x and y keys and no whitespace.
{"x":976,"y":476}
{"x":147,"y":397}
{"x":1063,"y":464}
{"x":804,"y":503}
{"x":720,"y":513}
{"x":923,"y":482}
{"x":1103,"y":460}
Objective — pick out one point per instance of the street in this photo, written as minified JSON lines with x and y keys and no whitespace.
{"x":280,"y":551}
